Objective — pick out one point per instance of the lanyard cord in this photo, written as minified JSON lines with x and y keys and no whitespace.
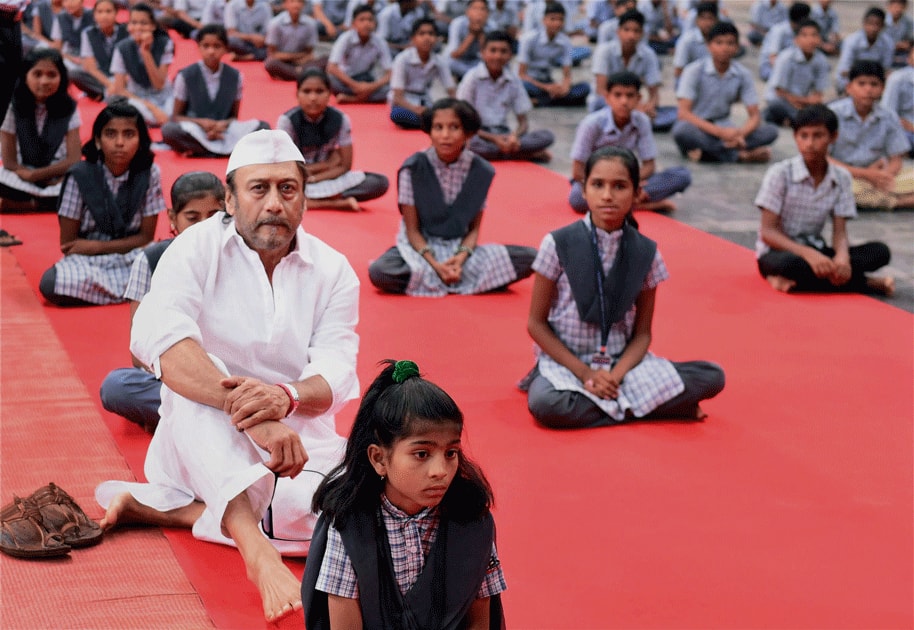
{"x":598,"y":269}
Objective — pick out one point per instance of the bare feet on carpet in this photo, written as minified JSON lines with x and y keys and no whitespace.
{"x":757,"y":155}
{"x":885,"y":286}
{"x":124,"y":509}
{"x":780,"y":283}
{"x":279,"y":589}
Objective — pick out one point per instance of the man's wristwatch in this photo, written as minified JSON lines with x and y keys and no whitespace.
{"x":292,"y":393}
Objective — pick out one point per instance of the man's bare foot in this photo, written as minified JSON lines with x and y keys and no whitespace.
{"x":885,"y":286}
{"x":757,"y":155}
{"x":780,"y":283}
{"x":124,"y":509}
{"x":279,"y":589}
{"x":694,"y":155}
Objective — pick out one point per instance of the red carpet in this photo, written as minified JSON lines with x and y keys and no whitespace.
{"x":791,"y":506}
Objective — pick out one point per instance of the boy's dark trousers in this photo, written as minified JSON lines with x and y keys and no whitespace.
{"x":864,"y":258}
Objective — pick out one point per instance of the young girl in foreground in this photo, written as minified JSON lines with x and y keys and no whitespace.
{"x":404,"y":484}
{"x":593,"y":329}
{"x":108,"y":210}
{"x":39,"y":139}
{"x":442,"y":193}
{"x":324,"y":136}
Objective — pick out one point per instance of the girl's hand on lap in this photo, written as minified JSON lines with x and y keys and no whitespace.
{"x":601,"y":383}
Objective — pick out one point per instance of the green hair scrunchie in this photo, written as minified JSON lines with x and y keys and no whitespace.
{"x":404,"y":370}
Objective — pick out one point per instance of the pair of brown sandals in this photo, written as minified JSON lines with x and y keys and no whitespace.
{"x":47,"y":524}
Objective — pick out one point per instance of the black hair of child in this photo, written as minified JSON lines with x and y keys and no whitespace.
{"x":809,"y":23}
{"x":212,"y":29}
{"x":195,"y":185}
{"x":313,"y":73}
{"x":815,"y":115}
{"x":875,"y":12}
{"x":362,"y":8}
{"x":142,"y":7}
{"x":722,"y":29}
{"x":553,"y":7}
{"x":709,"y":8}
{"x":497,"y":36}
{"x":120,"y":108}
{"x":469,"y":117}
{"x":389,"y":412}
{"x":627,"y":159}
{"x":798,"y":11}
{"x":60,"y":104}
{"x":625,"y":78}
{"x":867,"y":68}
{"x":420,"y":23}
{"x":632,"y":15}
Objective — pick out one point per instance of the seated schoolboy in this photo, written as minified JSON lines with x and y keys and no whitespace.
{"x":780,"y":38}
{"x":330,"y":16}
{"x":796,"y":198}
{"x":214,"y":12}
{"x":442,"y":196}
{"x":355,"y":55}
{"x":246,"y":22}
{"x":291,"y":38}
{"x":607,"y":30}
{"x":622,"y":124}
{"x":542,"y":50}
{"x":207,"y":100}
{"x":660,"y":24}
{"x":494,"y":91}
{"x":707,"y":90}
{"x":826,"y":16}
{"x":870,"y":43}
{"x":323,"y":134}
{"x":799,"y":78}
{"x":692,"y":45}
{"x":899,"y":97}
{"x":184,"y":16}
{"x":763,"y":15}
{"x":628,"y":52}
{"x":134,"y":392}
{"x":598,"y":12}
{"x":96,"y":48}
{"x":900,"y":28}
{"x":396,"y":22}
{"x":412,"y":74}
{"x":504,"y":16}
{"x":465,"y":38}
{"x":871,"y":142}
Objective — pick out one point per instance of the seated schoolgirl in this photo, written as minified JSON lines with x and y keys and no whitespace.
{"x":207,"y":99}
{"x":96,"y":49}
{"x":140,"y":67}
{"x":412,"y":74}
{"x":442,"y":193}
{"x":324,"y":136}
{"x":404,"y":478}
{"x":39,"y":138}
{"x":109,"y":205}
{"x":134,"y":392}
{"x":592,"y":327}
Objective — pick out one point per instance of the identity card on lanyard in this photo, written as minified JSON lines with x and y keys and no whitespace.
{"x":600,"y":360}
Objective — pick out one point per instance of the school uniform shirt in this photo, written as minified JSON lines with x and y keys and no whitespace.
{"x":542,"y":54}
{"x":410,"y":538}
{"x":713,"y":94}
{"x":607,"y":60}
{"x":794,"y":73}
{"x":193,"y":8}
{"x":650,"y":383}
{"x":828,"y":21}
{"x":214,"y":12}
{"x":139,"y":281}
{"x":102,"y":279}
{"x":108,"y":43}
{"x":335,"y":10}
{"x":788,"y":190}
{"x":458,"y":29}
{"x":10,"y":178}
{"x":900,"y":31}
{"x":690,"y":46}
{"x":898,"y":96}
{"x":288,"y":37}
{"x":393,"y":26}
{"x":607,"y":30}
{"x":503,"y":19}
{"x":765,"y":15}
{"x":777,"y":39}
{"x":862,"y":142}
{"x":654,"y":19}
{"x":355,"y":57}
{"x":248,"y":19}
{"x":599,"y":130}
{"x":410,"y":74}
{"x":300,"y":324}
{"x":494,"y":98}
{"x":856,"y":47}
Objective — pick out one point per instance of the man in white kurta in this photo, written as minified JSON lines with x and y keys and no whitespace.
{"x":250,"y":322}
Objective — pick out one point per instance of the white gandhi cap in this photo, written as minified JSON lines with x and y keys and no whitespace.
{"x":267,"y":146}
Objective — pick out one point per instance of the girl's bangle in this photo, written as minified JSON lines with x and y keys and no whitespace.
{"x":424,"y":251}
{"x":465,"y":249}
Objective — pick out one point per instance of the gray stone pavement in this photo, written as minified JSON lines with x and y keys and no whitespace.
{"x":720,"y":199}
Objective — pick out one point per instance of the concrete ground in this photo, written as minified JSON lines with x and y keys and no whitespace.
{"x":720,"y":198}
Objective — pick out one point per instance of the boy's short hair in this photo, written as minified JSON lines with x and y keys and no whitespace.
{"x":212,"y":29}
{"x":632,"y":15}
{"x":195,"y":185}
{"x":362,"y":8}
{"x":901,"y":2}
{"x":469,"y":117}
{"x":722,"y":29}
{"x":706,"y":8}
{"x":553,"y":7}
{"x":867,"y":68}
{"x":808,"y":23}
{"x":497,"y":36}
{"x":420,"y":23}
{"x":814,"y":115}
{"x":624,"y":78}
{"x":798,"y":11}
{"x":875,"y":12}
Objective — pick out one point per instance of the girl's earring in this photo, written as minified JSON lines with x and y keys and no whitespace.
{"x":382,"y":478}
{"x":174,"y":229}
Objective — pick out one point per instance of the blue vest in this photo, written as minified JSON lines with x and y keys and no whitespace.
{"x":130,"y":51}
{"x":71,"y":29}
{"x":100,"y":51}
{"x":309,"y":135}
{"x":112,"y":214}
{"x":199,"y":104}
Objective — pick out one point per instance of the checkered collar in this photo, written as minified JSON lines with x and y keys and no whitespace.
{"x":800,"y":173}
